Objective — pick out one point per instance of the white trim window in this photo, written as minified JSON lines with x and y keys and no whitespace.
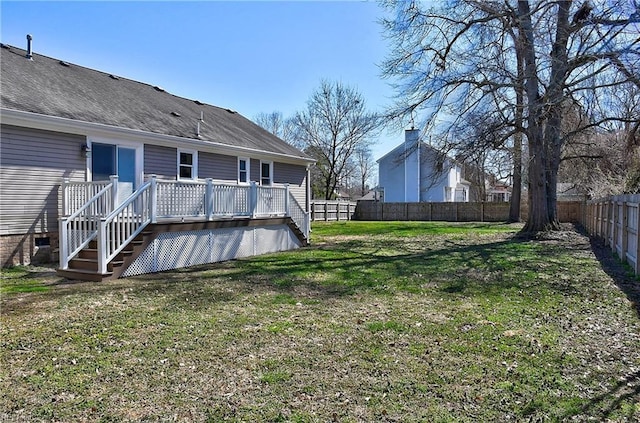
{"x":266,"y":173}
{"x":244,"y":170}
{"x":187,"y":164}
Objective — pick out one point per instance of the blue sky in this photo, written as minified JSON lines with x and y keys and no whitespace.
{"x":248,"y":56}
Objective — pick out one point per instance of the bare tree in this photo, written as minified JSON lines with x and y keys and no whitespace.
{"x":279,"y":126}
{"x":500,"y":58}
{"x":601,"y":161}
{"x":364,"y":168}
{"x":332,"y":129}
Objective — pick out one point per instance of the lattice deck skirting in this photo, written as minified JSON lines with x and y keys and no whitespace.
{"x":173,"y":250}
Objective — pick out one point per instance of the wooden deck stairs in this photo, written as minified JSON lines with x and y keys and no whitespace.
{"x":85,"y":265}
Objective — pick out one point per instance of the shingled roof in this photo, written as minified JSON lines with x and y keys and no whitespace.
{"x":52,"y":87}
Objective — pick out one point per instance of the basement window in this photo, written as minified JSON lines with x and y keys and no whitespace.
{"x":43,"y":242}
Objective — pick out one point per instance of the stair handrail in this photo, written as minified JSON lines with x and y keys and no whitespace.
{"x":87,"y":228}
{"x":125,"y":223}
{"x":299,"y":216}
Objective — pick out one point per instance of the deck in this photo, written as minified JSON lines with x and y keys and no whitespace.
{"x":101,"y":234}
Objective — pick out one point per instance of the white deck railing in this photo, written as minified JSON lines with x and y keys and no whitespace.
{"x":76,"y":194}
{"x":271,"y":201}
{"x":180,"y":199}
{"x":300,"y":217}
{"x":229,"y":200}
{"x":81,"y":227}
{"x":115,"y":226}
{"x":123,"y":224}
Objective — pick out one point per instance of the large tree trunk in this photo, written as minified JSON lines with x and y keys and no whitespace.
{"x":538,"y":219}
{"x":555,"y":105}
{"x":516,"y":193}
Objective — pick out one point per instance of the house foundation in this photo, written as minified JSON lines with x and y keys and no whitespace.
{"x":31,"y":248}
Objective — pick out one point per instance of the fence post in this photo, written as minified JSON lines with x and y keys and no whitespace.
{"x":625,"y":234}
{"x":614,"y":223}
{"x":601,"y":213}
{"x":637,"y":266}
{"x":325,"y":207}
{"x":153,"y":202}
{"x":605,"y":221}
{"x":482,"y":212}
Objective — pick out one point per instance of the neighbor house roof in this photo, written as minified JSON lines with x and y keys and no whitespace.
{"x":401,"y":148}
{"x":51,"y":87}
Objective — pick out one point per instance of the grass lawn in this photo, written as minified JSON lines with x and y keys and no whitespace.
{"x":376,"y":321}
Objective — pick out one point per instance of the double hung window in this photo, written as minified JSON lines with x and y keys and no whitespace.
{"x":243,"y":170}
{"x":266,"y":173}
{"x":187,"y":164}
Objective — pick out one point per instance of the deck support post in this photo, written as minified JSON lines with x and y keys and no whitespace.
{"x":63,"y":244}
{"x":208,"y":199}
{"x":65,"y":196}
{"x":114,"y":192}
{"x":153,"y":200}
{"x":286,"y":200}
{"x":253,"y":199}
{"x":102,"y":246}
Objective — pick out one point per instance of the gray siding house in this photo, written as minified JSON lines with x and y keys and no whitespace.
{"x":416,"y":172}
{"x":118,"y":177}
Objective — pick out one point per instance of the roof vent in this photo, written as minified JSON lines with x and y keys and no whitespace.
{"x":158,"y":88}
{"x":29,"y":47}
{"x":63,"y":63}
{"x":114,"y":77}
{"x":198,"y":102}
{"x":5,"y":46}
{"x":176,"y":114}
{"x":231,"y":111}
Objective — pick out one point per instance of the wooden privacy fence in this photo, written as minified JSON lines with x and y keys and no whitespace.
{"x":616,"y":220}
{"x":322,"y":210}
{"x":448,"y":212}
{"x":568,"y":211}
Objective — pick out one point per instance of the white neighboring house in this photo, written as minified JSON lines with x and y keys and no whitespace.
{"x":416,"y":172}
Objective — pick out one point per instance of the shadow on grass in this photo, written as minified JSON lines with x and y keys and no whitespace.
{"x":621,"y":274}
{"x":336,"y":270}
{"x":603,"y":406}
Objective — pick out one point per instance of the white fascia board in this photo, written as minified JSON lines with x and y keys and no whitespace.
{"x":71,"y":126}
